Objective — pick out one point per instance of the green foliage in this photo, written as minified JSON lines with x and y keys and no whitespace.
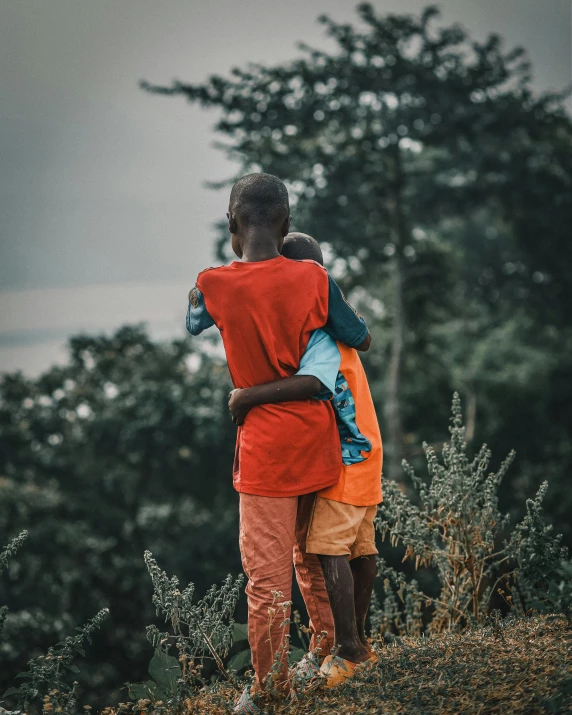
{"x":240,"y":655}
{"x":199,"y":628}
{"x":455,"y":528}
{"x":543,"y":569}
{"x":166,"y":672}
{"x":5,"y":555}
{"x":439,"y":185}
{"x":46,"y":679}
{"x":11,"y":549}
{"x":402,"y":110}
{"x":197,"y":631}
{"x":107,"y":456}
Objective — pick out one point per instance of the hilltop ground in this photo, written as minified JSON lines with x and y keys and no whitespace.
{"x":510,"y":667}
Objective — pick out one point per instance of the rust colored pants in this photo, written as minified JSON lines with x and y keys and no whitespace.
{"x":273,"y":532}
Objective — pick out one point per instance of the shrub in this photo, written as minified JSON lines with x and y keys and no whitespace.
{"x":455,"y":528}
{"x":5,"y":555}
{"x":197,"y":630}
{"x":46,"y":679}
{"x":543,"y":573}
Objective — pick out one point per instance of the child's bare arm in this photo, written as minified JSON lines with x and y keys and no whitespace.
{"x":298,"y":387}
{"x":363,"y":347}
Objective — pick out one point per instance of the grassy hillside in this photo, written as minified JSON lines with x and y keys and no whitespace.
{"x":509,"y":667}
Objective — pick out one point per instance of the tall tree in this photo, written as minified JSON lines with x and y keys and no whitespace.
{"x":394,"y":146}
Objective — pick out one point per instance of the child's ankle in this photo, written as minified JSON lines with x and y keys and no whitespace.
{"x":354,"y":653}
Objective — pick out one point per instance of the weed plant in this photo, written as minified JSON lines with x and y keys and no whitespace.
{"x":455,"y":528}
{"x":47,"y":679}
{"x":196,"y":631}
{"x":5,"y":556}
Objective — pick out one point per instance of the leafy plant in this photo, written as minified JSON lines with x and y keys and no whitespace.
{"x":543,"y":571}
{"x":5,"y":555}
{"x":83,"y":448}
{"x":47,"y":676}
{"x":241,"y":659}
{"x":165,"y":671}
{"x":456,"y":529}
{"x":198,"y":630}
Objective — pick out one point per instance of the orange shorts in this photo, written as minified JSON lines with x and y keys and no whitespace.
{"x":338,"y":529}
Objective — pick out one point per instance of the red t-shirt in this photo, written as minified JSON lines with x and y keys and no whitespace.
{"x":266,"y":312}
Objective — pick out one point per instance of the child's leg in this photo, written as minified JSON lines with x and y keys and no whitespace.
{"x":336,"y":534}
{"x":310,"y":578}
{"x":364,"y":569}
{"x":267,"y":535}
{"x":340,"y":586}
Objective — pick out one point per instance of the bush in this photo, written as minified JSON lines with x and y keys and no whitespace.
{"x":46,"y":680}
{"x":543,"y":572}
{"x":197,"y":631}
{"x":455,"y":529}
{"x":5,"y":555}
{"x":47,"y":677}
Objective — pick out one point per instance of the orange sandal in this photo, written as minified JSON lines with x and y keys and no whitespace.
{"x":336,"y":670}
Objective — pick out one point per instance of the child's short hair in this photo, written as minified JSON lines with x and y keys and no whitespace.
{"x":300,"y":247}
{"x":259,"y":200}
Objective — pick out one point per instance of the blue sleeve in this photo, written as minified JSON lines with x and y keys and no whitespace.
{"x":322,"y":360}
{"x":344,"y":323}
{"x":198,"y":318}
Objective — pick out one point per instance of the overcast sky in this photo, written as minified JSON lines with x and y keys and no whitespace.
{"x":104,"y":218}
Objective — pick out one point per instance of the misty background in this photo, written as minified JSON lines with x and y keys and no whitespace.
{"x":105,"y":217}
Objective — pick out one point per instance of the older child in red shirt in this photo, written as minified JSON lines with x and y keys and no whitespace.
{"x":266,"y":307}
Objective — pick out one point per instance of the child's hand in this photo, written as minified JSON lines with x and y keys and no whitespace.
{"x":238,"y":405}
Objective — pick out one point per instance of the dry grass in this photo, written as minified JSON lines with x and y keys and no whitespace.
{"x":511,"y":667}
